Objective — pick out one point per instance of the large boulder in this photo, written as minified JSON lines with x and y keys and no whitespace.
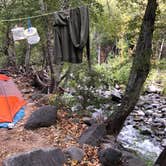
{"x":43,"y":117}
{"x":74,"y":153}
{"x":110,"y":157}
{"x":93,"y":135}
{"x":38,"y":157}
{"x":130,"y":159}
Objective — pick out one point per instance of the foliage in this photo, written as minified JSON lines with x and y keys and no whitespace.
{"x":85,"y":86}
{"x":157,"y":76}
{"x":115,"y":71}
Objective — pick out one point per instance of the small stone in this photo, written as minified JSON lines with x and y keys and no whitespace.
{"x":163,"y":143}
{"x":159,"y":133}
{"x":146,"y":131}
{"x":156,"y":115}
{"x":155,"y":105}
{"x":153,"y":89}
{"x":140,"y":113}
{"x":77,"y":107}
{"x":148,"y":112}
{"x":158,"y":125}
{"x":148,"y":106}
{"x":138,"y":118}
{"x":163,"y":109}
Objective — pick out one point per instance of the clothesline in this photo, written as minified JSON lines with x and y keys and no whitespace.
{"x":31,"y":17}
{"x":26,"y":18}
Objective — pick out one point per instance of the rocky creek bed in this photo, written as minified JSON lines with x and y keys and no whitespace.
{"x":145,"y":128}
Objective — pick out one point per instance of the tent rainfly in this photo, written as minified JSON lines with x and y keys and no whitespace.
{"x":11,"y":102}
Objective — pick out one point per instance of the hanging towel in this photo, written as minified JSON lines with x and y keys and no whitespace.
{"x":71,"y":35}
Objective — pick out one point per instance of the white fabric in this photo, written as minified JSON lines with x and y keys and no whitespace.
{"x":32,"y":35}
{"x":33,"y":39}
{"x":18,"y":33}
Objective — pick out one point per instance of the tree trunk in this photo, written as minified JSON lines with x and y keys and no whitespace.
{"x":99,"y":54}
{"x":161,"y":49}
{"x":139,"y":71}
{"x":161,"y":161}
{"x":54,"y":69}
{"x":49,"y":45}
{"x":9,"y":49}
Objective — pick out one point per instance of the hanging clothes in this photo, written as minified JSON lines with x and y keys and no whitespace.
{"x":71,"y":35}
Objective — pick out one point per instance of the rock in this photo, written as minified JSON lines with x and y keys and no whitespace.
{"x":145,"y":131}
{"x":38,"y":157}
{"x":163,"y":143}
{"x":159,"y":133}
{"x":106,"y":145}
{"x":43,"y":117}
{"x":147,"y":106}
{"x":153,"y":89}
{"x":160,"y":121}
{"x":110,"y":157}
{"x":88,"y":121}
{"x":163,"y":109}
{"x":98,"y":116}
{"x":138,"y":118}
{"x":156,"y":115}
{"x":155,"y":105}
{"x":75,"y":153}
{"x":116,"y":96}
{"x":141,"y":113}
{"x":158,"y":125}
{"x":93,"y":135}
{"x":132,"y":160}
{"x":90,"y":108}
{"x":148,"y":112}
{"x":77,"y":107}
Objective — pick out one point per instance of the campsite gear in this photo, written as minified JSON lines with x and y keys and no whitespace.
{"x":32,"y":35}
{"x":71,"y":35}
{"x":11,"y":101}
{"x":18,"y":33}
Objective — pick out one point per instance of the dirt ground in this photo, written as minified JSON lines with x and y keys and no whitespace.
{"x":62,"y":135}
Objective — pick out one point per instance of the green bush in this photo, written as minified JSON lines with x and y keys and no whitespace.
{"x":104,"y":76}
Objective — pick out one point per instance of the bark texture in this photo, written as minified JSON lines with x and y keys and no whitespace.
{"x":139,"y":71}
{"x":9,"y":49}
{"x":161,"y":161}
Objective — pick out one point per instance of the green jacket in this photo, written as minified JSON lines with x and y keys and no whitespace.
{"x":71,"y":35}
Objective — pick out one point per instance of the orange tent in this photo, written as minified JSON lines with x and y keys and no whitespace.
{"x":11,"y":100}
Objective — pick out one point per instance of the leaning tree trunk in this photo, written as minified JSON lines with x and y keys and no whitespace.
{"x":161,"y":161}
{"x":139,"y":71}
